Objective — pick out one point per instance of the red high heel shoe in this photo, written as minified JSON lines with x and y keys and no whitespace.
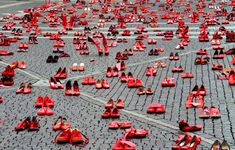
{"x":122,"y":144}
{"x":34,"y":124}
{"x":182,"y":141}
{"x":109,"y":72}
{"x":120,"y":104}
{"x":156,"y":108}
{"x":188,"y":128}
{"x":115,"y":113}
{"x":27,"y":88}
{"x":192,"y":145}
{"x":63,"y":136}
{"x":76,"y":89}
{"x":77,"y":138}
{"x":61,"y":124}
{"x":107,"y":113}
{"x":47,"y":101}
{"x":68,"y":88}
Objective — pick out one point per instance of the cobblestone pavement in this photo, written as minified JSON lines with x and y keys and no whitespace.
{"x":84,"y":112}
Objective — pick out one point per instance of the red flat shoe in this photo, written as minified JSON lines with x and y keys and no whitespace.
{"x":34,"y":124}
{"x":115,"y":113}
{"x":114,"y":125}
{"x":120,"y":104}
{"x":63,"y":136}
{"x":214,"y":112}
{"x":107,"y":113}
{"x":135,"y":133}
{"x":23,"y":125}
{"x":8,"y":71}
{"x":188,"y":128}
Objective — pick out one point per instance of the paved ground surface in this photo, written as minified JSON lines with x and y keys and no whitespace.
{"x":84,"y":112}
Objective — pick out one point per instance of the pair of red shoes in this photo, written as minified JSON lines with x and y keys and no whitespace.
{"x":89,"y":81}
{"x":152,"y":41}
{"x":150,"y":71}
{"x":123,"y":144}
{"x":134,"y":83}
{"x":61,"y":73}
{"x":212,"y":112}
{"x":141,"y":91}
{"x":29,"y":123}
{"x":199,"y":90}
{"x":168,"y":82}
{"x":119,"y":124}
{"x":24,"y":88}
{"x":135,"y":133}
{"x":61,"y":124}
{"x":185,"y":127}
{"x":102,"y":84}
{"x":45,"y":103}
{"x":186,"y":75}
{"x":72,"y":90}
{"x":202,"y":52}
{"x":177,"y":69}
{"x":199,"y":101}
{"x":157,"y":108}
{"x":174,"y":56}
{"x":112,"y":72}
{"x":59,"y":43}
{"x":110,"y":104}
{"x":186,"y":142}
{"x":122,"y":56}
{"x":111,"y":113}
{"x":104,"y":42}
{"x":55,"y":83}
{"x":126,"y":33}
{"x":218,"y":55}
{"x":71,"y":136}
{"x":23,"y":47}
{"x":17,"y":64}
{"x":8,"y":71}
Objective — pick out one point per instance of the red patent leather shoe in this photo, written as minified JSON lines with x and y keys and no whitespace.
{"x":107,"y":113}
{"x":47,"y":101}
{"x":188,"y":128}
{"x":76,"y":89}
{"x":109,"y":72}
{"x":131,"y":83}
{"x":23,"y":125}
{"x":34,"y":124}
{"x":138,"y":83}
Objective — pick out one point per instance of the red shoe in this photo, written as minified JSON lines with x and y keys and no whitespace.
{"x":231,"y":78}
{"x":125,"y":125}
{"x":23,"y":125}
{"x":114,"y":125}
{"x":109,"y":104}
{"x":115,"y":72}
{"x":168,"y":82}
{"x":141,"y":91}
{"x":233,"y":60}
{"x":123,"y":77}
{"x":61,"y":124}
{"x":131,"y":83}
{"x":55,"y":83}
{"x":138,"y":83}
{"x":202,"y":52}
{"x":156,"y":108}
{"x":34,"y":124}
{"x":77,"y":138}
{"x":48,"y":111}
{"x":22,"y":65}
{"x":76,"y":89}
{"x":98,"y":84}
{"x":202,"y":91}
{"x":1,"y":99}
{"x":63,"y":136}
{"x":27,"y":88}
{"x":217,"y":67}
{"x":177,"y":69}
{"x":61,"y":73}
{"x":115,"y":113}
{"x":149,"y":91}
{"x":107,"y":113}
{"x":192,"y":145}
{"x":20,"y":90}
{"x":41,"y":111}
{"x":48,"y":101}
{"x":68,"y":88}
{"x":214,"y":112}
{"x":120,"y":104}
{"x":109,"y":73}
{"x":204,"y":113}
{"x":188,"y":128}
{"x":181,"y":141}
{"x":9,"y":71}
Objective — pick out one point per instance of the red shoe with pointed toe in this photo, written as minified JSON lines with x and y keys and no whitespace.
{"x":125,"y":125}
{"x":68,"y":88}
{"x":181,"y":141}
{"x":188,"y":128}
{"x":34,"y":124}
{"x":63,"y":136}
{"x":48,"y":101}
{"x":61,"y":124}
{"x":23,"y":125}
{"x":123,"y":77}
{"x":20,"y":90}
{"x":131,"y":83}
{"x":98,"y":84}
{"x":76,"y":89}
{"x":22,"y":65}
{"x":192,"y":144}
{"x":138,"y":83}
{"x":120,"y":104}
{"x":8,"y":71}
